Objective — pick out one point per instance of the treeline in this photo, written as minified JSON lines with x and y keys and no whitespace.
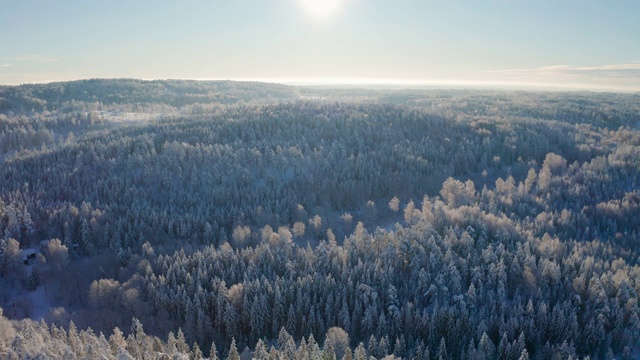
{"x":27,"y":339}
{"x":610,"y":110}
{"x":176,"y":93}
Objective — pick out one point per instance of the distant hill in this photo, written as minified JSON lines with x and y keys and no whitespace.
{"x":176,"y":93}
{"x":610,"y":110}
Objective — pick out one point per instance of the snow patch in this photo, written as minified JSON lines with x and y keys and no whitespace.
{"x":39,"y":303}
{"x":124,"y":117}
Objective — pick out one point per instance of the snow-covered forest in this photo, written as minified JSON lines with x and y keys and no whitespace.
{"x":184,"y":219}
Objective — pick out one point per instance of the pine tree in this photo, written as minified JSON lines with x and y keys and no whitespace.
{"x":197,"y":353}
{"x":117,"y":341}
{"x":260,"y":352}
{"x":85,"y":235}
{"x":181,"y":343}
{"x":233,"y":351}
{"x":442,"y":350}
{"x":486,"y":347}
{"x":372,"y":346}
{"x":213,"y":352}
{"x":360,"y":353}
{"x":348,"y":354}
{"x":328,"y":353}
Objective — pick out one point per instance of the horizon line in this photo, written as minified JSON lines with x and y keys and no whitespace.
{"x":394,"y":83}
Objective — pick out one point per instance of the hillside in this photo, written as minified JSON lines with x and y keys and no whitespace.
{"x":413,"y":223}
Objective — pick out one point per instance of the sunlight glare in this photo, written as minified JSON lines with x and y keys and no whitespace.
{"x":321,"y":8}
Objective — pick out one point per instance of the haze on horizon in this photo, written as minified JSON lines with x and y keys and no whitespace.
{"x":543,"y":43}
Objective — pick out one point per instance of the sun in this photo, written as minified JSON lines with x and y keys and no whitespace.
{"x":321,"y":8}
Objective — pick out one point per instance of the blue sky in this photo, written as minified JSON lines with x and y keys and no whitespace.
{"x":566,"y":43}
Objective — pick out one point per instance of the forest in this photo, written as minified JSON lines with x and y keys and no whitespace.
{"x":183,"y":219}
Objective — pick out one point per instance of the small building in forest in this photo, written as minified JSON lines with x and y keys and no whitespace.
{"x":29,"y":256}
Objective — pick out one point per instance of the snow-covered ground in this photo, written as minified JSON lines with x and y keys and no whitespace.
{"x":39,"y":302}
{"x":120,"y":116}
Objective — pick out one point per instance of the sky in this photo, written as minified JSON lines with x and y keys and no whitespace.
{"x":572,"y":44}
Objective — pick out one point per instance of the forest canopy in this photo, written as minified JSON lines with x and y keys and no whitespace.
{"x":200,"y":219}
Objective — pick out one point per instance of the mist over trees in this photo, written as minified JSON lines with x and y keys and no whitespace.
{"x":170,"y":218}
